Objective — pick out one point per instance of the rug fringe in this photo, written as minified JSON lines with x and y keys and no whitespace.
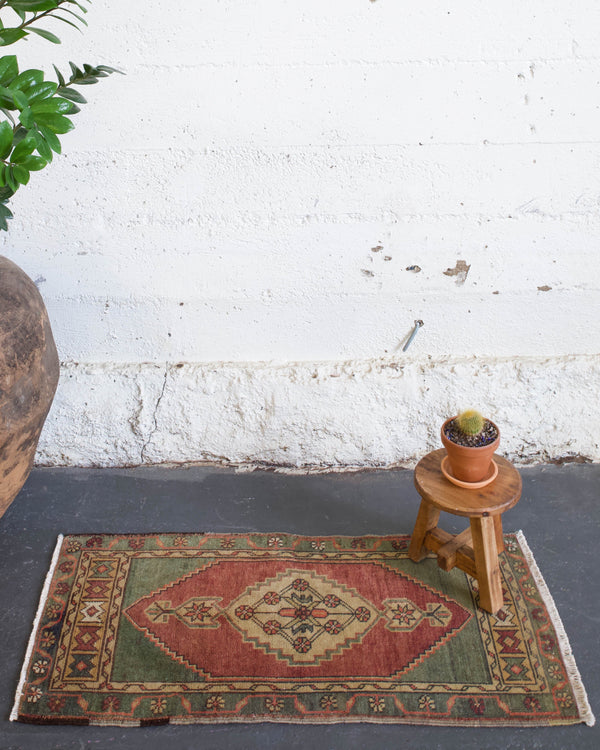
{"x":583,"y":705}
{"x":14,"y":714}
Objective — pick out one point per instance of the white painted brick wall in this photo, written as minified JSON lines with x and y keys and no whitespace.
{"x":206,"y":245}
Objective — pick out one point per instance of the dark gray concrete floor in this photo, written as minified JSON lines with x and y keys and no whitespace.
{"x":559,"y":513}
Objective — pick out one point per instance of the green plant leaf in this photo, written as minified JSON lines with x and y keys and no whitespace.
{"x":56,"y":123}
{"x":59,"y":75}
{"x":86,"y":80}
{"x":107,"y":69}
{"x":6,"y":98}
{"x":26,"y":117}
{"x":81,"y":7}
{"x":66,"y":20}
{"x":48,"y":35}
{"x":34,"y":6}
{"x":19,"y":99}
{"x":75,"y":71}
{"x":20,"y":174}
{"x":10,"y":36}
{"x":5,"y":215}
{"x":54,"y":105}
{"x":73,"y":95}
{"x":34,"y":163}
{"x":42,"y":91}
{"x":6,"y":139}
{"x":9,"y":178}
{"x":26,"y":79}
{"x":76,"y":15}
{"x":50,"y":138}
{"x":19,"y":134}
{"x":9,"y":69}
{"x":43,"y":148}
{"x":23,"y":149}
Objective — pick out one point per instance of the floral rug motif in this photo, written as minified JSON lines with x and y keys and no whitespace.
{"x":134,"y":630}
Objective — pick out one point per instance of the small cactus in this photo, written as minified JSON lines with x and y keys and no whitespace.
{"x":470,"y":422}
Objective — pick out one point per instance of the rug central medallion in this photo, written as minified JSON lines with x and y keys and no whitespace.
{"x":301,"y":616}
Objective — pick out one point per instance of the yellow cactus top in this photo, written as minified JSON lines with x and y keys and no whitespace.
{"x":470,"y":422}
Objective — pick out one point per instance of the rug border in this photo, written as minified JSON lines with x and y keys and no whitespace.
{"x":583,"y":706}
{"x":14,"y":714}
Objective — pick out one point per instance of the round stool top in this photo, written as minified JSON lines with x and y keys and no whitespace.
{"x":500,"y":495}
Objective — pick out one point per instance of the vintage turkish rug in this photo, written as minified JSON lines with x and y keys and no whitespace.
{"x":207,"y":628}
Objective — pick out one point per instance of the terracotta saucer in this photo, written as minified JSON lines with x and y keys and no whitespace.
{"x":491,"y":475}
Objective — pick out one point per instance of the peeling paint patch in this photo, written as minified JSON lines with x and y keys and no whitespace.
{"x":460,"y":271}
{"x":413,"y":269}
{"x":570,"y":459}
{"x":366,"y":272}
{"x":544,"y":288}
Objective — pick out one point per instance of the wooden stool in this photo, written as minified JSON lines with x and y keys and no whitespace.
{"x":475,"y":550}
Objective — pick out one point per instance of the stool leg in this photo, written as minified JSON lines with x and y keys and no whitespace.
{"x":426,"y":521}
{"x":499,"y":534}
{"x":486,"y":563}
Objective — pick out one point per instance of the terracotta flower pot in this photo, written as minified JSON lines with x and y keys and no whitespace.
{"x":29,"y":369}
{"x":469,"y":464}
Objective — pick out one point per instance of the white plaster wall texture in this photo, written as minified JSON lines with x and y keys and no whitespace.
{"x":242,"y":230}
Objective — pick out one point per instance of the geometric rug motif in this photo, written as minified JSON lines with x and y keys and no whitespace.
{"x":134,"y":630}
